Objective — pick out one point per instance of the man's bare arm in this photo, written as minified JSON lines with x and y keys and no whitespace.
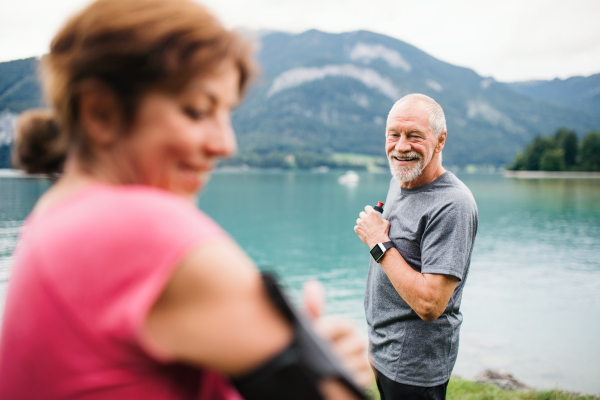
{"x":427,"y":294}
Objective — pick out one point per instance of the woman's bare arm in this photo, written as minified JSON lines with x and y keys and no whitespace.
{"x":214,"y":312}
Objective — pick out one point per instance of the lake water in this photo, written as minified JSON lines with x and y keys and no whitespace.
{"x":532,"y":300}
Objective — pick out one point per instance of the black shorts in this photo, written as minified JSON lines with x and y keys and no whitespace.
{"x":391,"y":390}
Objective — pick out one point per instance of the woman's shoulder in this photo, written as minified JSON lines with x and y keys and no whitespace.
{"x":101,"y":201}
{"x":112,"y":214}
{"x":136,"y":199}
{"x":106,"y":234}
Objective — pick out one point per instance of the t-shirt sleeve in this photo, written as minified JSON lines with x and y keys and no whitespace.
{"x":448,"y":238}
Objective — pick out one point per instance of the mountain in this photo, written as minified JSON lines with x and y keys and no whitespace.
{"x":19,"y":85}
{"x":321,"y":93}
{"x":578,"y":92}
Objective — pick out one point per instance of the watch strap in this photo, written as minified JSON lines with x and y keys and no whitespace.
{"x":387,"y":245}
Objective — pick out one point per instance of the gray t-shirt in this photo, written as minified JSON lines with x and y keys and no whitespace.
{"x":433,"y":227}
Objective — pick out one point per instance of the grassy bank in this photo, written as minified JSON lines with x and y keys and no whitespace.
{"x":461,"y":389}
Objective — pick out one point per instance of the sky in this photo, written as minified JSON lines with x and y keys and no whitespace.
{"x":509,"y":40}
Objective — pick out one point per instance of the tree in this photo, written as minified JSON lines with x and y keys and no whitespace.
{"x":567,"y":141}
{"x":519,"y":164}
{"x":560,"y":153}
{"x":553,"y":160}
{"x":535,"y":150}
{"x":590,"y":152}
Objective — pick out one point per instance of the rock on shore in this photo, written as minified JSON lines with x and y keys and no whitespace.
{"x":502,"y":379}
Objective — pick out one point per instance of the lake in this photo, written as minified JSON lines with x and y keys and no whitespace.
{"x":531,"y":304}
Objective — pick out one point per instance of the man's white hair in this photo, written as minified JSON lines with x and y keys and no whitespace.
{"x":437,"y":120}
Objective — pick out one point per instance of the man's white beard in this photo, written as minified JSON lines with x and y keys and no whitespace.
{"x":410,"y":172}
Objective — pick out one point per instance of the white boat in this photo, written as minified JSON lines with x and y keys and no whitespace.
{"x":349,"y":178}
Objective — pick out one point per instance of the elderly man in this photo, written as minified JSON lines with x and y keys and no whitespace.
{"x":421,"y":250}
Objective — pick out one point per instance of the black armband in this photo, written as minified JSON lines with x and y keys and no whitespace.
{"x":294,"y":373}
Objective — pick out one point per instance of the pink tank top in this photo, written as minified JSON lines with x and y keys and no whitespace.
{"x":85,"y":276}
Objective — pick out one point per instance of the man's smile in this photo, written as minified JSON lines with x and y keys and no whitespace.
{"x":405,"y":158}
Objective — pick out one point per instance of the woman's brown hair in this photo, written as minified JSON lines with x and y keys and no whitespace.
{"x":131,"y":46}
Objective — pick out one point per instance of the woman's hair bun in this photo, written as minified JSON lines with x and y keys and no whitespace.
{"x":39,"y":147}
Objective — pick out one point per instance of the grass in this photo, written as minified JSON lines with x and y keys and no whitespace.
{"x":461,"y":389}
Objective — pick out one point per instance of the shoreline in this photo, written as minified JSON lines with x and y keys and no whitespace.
{"x":551,"y":175}
{"x":15,"y":173}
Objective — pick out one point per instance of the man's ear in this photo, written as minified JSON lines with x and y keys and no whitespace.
{"x":441,"y":142}
{"x":100,"y":115}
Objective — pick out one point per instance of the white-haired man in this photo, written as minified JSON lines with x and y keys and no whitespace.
{"x":421,"y":250}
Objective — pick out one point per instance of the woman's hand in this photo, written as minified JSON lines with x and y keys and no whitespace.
{"x":371,"y":228}
{"x":347,"y":344}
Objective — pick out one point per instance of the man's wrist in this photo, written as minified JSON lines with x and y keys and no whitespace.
{"x":379,"y":250}
{"x":382,"y":240}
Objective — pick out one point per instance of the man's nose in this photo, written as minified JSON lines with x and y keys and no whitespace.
{"x":403,"y":145}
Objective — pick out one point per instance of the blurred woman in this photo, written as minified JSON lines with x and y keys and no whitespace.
{"x":121,"y":287}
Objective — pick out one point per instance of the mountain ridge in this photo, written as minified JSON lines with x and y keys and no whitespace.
{"x":576,"y":92}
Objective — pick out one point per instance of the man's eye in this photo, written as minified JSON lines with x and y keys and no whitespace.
{"x":194,"y":114}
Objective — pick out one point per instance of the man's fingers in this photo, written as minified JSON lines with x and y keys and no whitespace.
{"x":368,"y":209}
{"x":314,"y":298}
{"x":362,"y":214}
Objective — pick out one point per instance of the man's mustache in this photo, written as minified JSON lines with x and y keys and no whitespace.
{"x":405,"y":155}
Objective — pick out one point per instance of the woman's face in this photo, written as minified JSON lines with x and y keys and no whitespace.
{"x":176,"y":140}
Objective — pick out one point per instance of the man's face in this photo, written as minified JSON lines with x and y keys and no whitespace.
{"x":410,"y":145}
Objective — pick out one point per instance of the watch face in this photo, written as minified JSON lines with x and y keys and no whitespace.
{"x":376,"y":252}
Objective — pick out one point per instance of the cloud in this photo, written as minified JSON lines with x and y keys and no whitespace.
{"x":509,"y":40}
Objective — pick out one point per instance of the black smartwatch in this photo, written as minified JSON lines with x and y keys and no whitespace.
{"x":379,"y":250}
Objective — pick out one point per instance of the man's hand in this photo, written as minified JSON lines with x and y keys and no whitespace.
{"x":371,"y":228}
